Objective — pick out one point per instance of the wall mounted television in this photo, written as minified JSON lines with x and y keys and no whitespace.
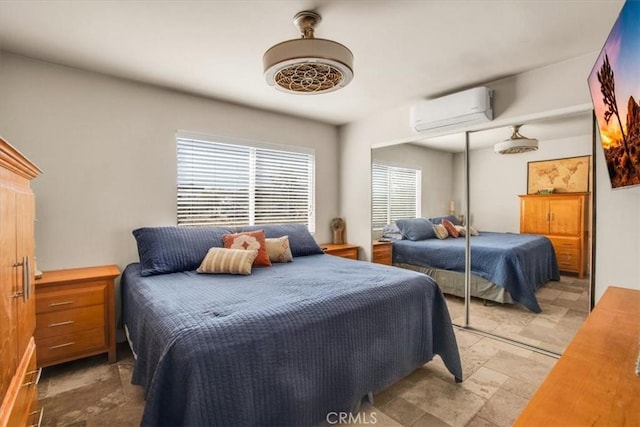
{"x":614,"y":84}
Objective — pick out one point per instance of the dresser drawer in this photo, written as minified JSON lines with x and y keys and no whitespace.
{"x":568,"y":260}
{"x":66,"y":346}
{"x":69,"y":321}
{"x":26,"y":396}
{"x":565,"y":243}
{"x":351,"y":253}
{"x":382,"y":253}
{"x":567,"y":253}
{"x":64,"y":298}
{"x":382,"y":259}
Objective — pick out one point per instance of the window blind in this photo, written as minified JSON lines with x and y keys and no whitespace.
{"x":395,"y":194}
{"x":236,"y":184}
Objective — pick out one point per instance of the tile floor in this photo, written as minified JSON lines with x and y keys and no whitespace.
{"x":565,"y":305}
{"x":499,"y":378}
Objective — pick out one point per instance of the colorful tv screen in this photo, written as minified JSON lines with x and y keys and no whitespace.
{"x":614,"y":84}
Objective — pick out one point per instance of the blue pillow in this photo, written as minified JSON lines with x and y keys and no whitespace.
{"x":438,"y":219}
{"x":416,"y":228}
{"x":391,"y":231}
{"x":301,"y":241}
{"x":172,"y":249}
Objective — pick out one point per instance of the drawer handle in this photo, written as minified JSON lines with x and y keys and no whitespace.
{"x":68,"y":322}
{"x":55,"y":304}
{"x":31,"y":414}
{"x":30,"y":383}
{"x":67,"y":344}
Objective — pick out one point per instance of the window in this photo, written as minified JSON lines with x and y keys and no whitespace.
{"x":232,"y":184}
{"x":396,"y":194}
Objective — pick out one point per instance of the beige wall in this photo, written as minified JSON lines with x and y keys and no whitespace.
{"x":107,"y":149}
{"x":496,"y":181}
{"x":546,"y":92}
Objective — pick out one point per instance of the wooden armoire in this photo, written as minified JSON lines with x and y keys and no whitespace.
{"x":562,"y":218}
{"x":18,"y":370}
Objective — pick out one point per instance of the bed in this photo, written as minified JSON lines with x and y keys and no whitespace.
{"x":505,"y":267}
{"x":284,"y":345}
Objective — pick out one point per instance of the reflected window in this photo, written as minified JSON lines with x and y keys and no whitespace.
{"x":396,"y":194}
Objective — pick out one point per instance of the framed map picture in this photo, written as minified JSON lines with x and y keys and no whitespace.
{"x":568,"y":175}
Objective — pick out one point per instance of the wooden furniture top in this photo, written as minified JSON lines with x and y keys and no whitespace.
{"x":78,"y":275}
{"x":594,"y":383}
{"x":333,"y":247}
{"x":377,"y":242}
{"x":554,"y":195}
{"x":15,"y":161}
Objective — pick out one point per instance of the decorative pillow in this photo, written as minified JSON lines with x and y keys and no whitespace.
{"x":452,"y":218}
{"x":278,"y":249}
{"x":301,"y":241}
{"x":451,"y":229}
{"x":462,"y":231}
{"x":231,"y":261}
{"x":440,"y":231}
{"x":173,"y":249}
{"x":416,"y":228}
{"x":249,"y":240}
{"x":391,"y":231}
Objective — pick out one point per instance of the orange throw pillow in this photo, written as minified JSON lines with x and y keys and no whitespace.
{"x":450,"y":228}
{"x":249,"y":240}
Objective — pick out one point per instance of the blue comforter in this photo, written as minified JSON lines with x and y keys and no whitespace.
{"x":283,"y":346}
{"x":520,"y":263}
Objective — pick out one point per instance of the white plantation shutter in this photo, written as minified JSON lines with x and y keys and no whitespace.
{"x":228,"y":184}
{"x":395,"y":194}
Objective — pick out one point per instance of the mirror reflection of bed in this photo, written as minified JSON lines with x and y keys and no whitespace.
{"x":496,"y":183}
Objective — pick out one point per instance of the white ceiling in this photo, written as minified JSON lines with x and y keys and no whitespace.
{"x":403,"y":49}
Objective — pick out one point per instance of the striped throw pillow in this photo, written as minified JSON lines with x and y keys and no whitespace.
{"x":231,"y":261}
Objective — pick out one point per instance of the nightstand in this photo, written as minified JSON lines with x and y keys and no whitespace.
{"x":75,"y":314}
{"x":383,"y":252}
{"x":344,"y":250}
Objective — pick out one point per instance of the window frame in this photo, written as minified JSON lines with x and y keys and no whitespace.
{"x":266,"y":151}
{"x":390,"y":169}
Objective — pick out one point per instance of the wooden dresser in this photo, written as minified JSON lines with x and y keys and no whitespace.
{"x":75,"y":314}
{"x":563,"y":219}
{"x":19,"y":376}
{"x":344,"y":250}
{"x":383,"y":252}
{"x":594,"y":383}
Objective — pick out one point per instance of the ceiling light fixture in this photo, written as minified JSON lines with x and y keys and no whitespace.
{"x":516,"y":144}
{"x":308,"y":65}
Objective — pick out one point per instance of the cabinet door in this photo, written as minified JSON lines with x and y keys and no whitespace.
{"x":25,"y":217}
{"x":534,"y":215}
{"x":8,"y":340}
{"x":565,"y":216}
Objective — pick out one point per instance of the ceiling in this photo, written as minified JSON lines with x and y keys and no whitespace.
{"x":544,"y":130}
{"x":403,"y":49}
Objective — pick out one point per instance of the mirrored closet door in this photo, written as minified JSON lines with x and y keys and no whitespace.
{"x":524,"y":211}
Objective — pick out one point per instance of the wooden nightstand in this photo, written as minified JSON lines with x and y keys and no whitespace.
{"x":383,"y":252}
{"x":75,"y":314}
{"x":344,"y":250}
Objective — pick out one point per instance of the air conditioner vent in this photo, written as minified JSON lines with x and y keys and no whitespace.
{"x":453,"y":112}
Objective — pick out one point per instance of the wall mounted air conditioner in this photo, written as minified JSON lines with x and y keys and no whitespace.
{"x":455,"y":111}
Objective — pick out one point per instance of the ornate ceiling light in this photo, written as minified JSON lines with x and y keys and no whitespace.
{"x":308,"y":65}
{"x":516,"y":144}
